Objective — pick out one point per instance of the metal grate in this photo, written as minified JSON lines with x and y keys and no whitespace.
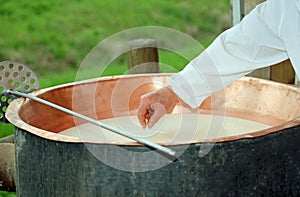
{"x":14,"y":76}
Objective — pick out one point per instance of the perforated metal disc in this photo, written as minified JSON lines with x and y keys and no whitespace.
{"x":15,"y":76}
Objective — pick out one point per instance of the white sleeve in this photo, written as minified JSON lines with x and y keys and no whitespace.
{"x":252,"y":44}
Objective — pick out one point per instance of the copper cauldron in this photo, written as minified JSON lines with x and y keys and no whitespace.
{"x":262,"y":162}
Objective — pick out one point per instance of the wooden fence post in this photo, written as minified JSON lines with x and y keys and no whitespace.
{"x":142,"y":56}
{"x":282,"y":72}
{"x":7,"y":167}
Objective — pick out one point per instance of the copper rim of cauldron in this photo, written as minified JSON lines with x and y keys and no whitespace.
{"x":16,"y":120}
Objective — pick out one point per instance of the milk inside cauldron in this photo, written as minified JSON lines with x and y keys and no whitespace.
{"x":171,"y":129}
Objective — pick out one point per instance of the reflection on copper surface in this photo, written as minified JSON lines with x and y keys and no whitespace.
{"x":254,"y":99}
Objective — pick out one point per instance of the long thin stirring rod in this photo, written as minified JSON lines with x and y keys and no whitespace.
{"x":96,"y":122}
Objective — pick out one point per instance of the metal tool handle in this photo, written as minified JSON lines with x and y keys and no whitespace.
{"x":96,"y":122}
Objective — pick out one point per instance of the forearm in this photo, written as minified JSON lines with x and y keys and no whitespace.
{"x":232,"y":55}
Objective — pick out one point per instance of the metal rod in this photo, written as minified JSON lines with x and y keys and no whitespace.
{"x":96,"y":122}
{"x":236,"y":11}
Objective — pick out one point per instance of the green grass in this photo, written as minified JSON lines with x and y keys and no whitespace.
{"x":6,"y":129}
{"x":53,"y":37}
{"x":7,"y":194}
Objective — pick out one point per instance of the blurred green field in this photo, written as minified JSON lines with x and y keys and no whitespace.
{"x":53,"y":37}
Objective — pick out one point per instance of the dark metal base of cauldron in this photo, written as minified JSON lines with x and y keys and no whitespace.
{"x":267,"y":165}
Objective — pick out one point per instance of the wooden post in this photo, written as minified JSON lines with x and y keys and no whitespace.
{"x":282,"y":72}
{"x":248,"y":5}
{"x":7,"y":167}
{"x":8,"y":139}
{"x":142,"y":56}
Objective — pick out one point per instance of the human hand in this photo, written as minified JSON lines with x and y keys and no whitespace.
{"x":155,"y":104}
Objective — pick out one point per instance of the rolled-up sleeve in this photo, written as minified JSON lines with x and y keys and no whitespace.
{"x":252,"y":44}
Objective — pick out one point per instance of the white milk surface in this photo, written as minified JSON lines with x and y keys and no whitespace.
{"x":171,"y":129}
